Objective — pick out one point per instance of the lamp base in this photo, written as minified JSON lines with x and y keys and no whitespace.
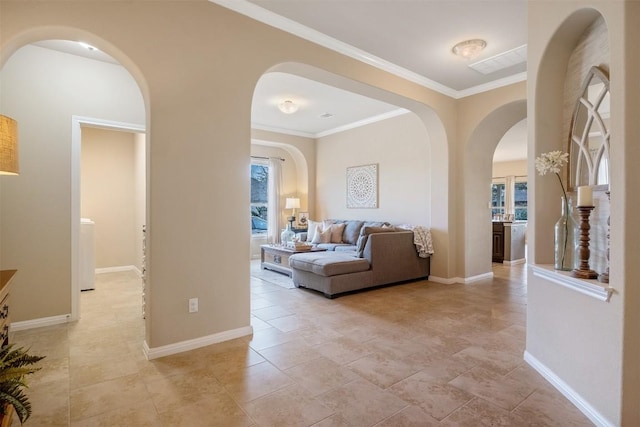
{"x":291,"y":220}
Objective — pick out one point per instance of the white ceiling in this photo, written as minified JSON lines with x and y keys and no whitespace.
{"x":410,"y":38}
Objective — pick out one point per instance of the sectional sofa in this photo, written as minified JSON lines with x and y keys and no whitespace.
{"x":369,"y":254}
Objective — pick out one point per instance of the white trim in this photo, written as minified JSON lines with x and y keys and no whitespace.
{"x":76,"y":144}
{"x":182,"y":346}
{"x":463,"y":280}
{"x":118,"y":269}
{"x":285,"y":24}
{"x":515,"y":261}
{"x":591,"y":288}
{"x":285,"y":131}
{"x":348,"y":126}
{"x":516,"y":78}
{"x":476,"y":278}
{"x":585,"y":407}
{"x":363,"y":122}
{"x":39,"y":323}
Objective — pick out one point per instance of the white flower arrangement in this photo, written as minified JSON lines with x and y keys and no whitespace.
{"x":552,"y":161}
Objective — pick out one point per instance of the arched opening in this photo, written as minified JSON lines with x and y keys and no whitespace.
{"x":65,"y":91}
{"x":478,"y":156}
{"x":438,"y":215}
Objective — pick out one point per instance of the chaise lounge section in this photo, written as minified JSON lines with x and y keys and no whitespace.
{"x":382,"y":256}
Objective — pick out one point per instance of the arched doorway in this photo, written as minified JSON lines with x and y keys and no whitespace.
{"x":62,"y":94}
{"x":478,"y":157}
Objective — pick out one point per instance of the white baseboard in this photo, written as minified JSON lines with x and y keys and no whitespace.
{"x":179,"y":347}
{"x":472,"y":279}
{"x":463,"y":280}
{"x":515,"y":261}
{"x":564,"y":388}
{"x":118,"y":269}
{"x":39,"y":323}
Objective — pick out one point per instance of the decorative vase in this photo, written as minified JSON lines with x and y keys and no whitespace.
{"x":287,"y":235}
{"x":565,"y":239}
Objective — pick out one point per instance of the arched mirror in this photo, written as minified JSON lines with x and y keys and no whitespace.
{"x":589,"y":137}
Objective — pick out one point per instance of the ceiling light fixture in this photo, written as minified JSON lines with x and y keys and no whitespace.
{"x":288,"y":107}
{"x":469,"y":48}
{"x":87,"y":46}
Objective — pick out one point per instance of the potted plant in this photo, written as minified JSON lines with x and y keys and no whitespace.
{"x":15,"y":365}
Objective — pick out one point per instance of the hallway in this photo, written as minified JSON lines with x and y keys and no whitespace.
{"x":414,"y":354}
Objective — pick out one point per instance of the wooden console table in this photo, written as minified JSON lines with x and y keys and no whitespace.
{"x":5,"y":279}
{"x":276,"y":258}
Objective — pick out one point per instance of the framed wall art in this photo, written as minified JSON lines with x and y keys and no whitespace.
{"x":362,"y":186}
{"x":303,"y":219}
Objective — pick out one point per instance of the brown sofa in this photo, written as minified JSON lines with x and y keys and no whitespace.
{"x":381,"y":256}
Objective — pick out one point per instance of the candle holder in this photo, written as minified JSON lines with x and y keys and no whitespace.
{"x":604,"y":276}
{"x":584,"y":272}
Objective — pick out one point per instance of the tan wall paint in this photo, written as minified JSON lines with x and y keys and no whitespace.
{"x":515,"y":168}
{"x":400,"y":146}
{"x":484,"y":119}
{"x":198,"y":108}
{"x":592,"y":346}
{"x":109,"y":197}
{"x":42,"y":89}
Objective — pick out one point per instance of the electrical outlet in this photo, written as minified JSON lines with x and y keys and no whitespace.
{"x":193,"y":305}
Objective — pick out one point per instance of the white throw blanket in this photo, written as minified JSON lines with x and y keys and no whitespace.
{"x":422,"y":239}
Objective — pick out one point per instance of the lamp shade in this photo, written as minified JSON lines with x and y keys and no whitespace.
{"x":8,"y":146}
{"x":292,"y":203}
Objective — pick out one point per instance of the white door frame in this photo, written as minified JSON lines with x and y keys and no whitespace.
{"x":76,"y":143}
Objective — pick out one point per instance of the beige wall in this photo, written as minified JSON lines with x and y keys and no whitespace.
{"x":43,"y":89}
{"x":400,"y":146}
{"x":111,"y":196}
{"x":197,"y":88}
{"x":592,"y":347}
{"x":514,"y":167}
{"x":484,"y":119}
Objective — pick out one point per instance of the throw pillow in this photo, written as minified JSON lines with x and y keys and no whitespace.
{"x":322,"y":236}
{"x":336,"y":232}
{"x":311,"y":229}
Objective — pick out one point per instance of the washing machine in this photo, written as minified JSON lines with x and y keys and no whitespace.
{"x":87,"y":254}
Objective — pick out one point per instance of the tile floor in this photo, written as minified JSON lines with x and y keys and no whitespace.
{"x":417,"y":354}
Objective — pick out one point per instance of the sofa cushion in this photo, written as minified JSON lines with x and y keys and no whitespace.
{"x":351,"y":231}
{"x":336,"y":232}
{"x":364,"y":234}
{"x":328,"y":263}
{"x":311,"y":229}
{"x":322,"y":236}
{"x":336,"y":247}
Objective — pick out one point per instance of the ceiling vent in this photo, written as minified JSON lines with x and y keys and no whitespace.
{"x":501,"y":61}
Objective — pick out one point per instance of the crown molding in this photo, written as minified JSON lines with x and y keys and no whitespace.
{"x":357,"y":124}
{"x":516,"y":78}
{"x":363,"y":122}
{"x":285,"y":24}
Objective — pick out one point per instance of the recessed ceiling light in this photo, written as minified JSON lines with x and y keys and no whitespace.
{"x":87,"y":46}
{"x":469,"y":48}
{"x":288,"y":107}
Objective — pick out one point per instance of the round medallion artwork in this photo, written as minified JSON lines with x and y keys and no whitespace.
{"x":362,"y":186}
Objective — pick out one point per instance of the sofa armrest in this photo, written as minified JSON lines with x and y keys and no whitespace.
{"x":393,"y":257}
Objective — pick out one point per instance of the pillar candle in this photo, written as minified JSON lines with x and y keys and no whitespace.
{"x":585,"y":196}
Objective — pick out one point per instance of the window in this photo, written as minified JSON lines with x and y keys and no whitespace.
{"x":259,"y":197}
{"x":497,"y":198}
{"x":520,"y":200}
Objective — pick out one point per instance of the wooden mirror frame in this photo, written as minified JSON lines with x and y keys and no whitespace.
{"x":587,"y":113}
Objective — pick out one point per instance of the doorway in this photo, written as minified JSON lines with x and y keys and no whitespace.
{"x":121,"y":210}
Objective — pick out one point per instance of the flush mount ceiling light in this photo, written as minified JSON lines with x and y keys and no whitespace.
{"x":288,"y":107}
{"x":469,"y":48}
{"x":87,"y":46}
